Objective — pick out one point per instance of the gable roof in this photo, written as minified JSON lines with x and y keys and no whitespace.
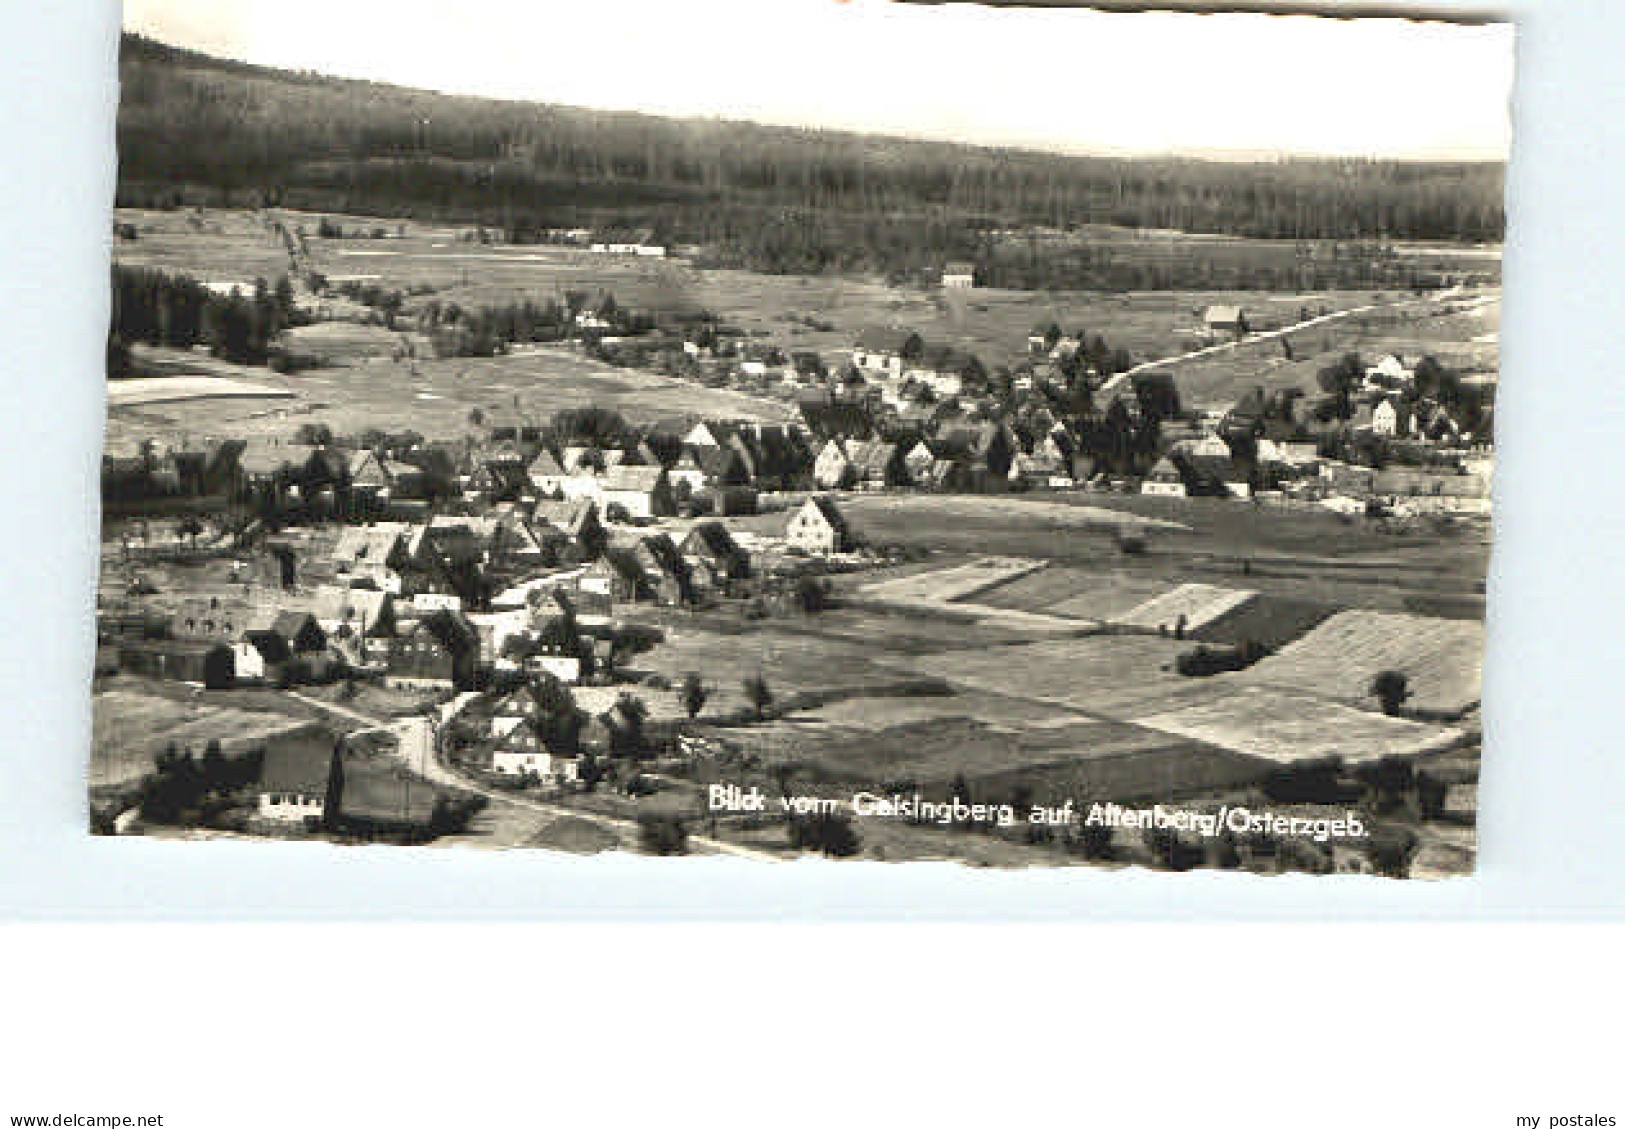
{"x":711,"y":539}
{"x":825,"y":507}
{"x":298,"y":762}
{"x":546,"y":464}
{"x":878,"y":339}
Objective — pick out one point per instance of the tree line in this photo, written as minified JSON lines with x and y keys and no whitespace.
{"x":155,"y":307}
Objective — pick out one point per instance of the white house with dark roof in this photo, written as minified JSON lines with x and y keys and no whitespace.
{"x":885,"y":352}
{"x":820,"y":527}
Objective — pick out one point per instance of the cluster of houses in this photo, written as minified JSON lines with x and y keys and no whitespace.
{"x":443,"y":603}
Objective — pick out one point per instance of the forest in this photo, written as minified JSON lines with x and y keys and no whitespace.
{"x":198,"y":130}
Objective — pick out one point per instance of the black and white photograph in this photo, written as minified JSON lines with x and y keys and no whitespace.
{"x":1017,"y":436}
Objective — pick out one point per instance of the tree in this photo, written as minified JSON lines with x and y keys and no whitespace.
{"x":693,"y":694}
{"x":829,"y":832}
{"x":662,"y":834}
{"x":1391,"y":688}
{"x":1339,"y":381}
{"x":632,"y":639}
{"x":759,"y":694}
{"x":813,"y":594}
{"x":626,"y":737}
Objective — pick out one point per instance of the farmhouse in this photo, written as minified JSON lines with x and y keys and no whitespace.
{"x":440,"y":652}
{"x":546,"y":475}
{"x":819,"y":527}
{"x":301,"y":779}
{"x":885,"y":352}
{"x":524,"y":754}
{"x":711,"y":547}
{"x":944,"y":369}
{"x":643,"y":492}
{"x":875,"y":465}
{"x":1164,"y":480}
{"x":616,"y":576}
{"x":958,"y":276}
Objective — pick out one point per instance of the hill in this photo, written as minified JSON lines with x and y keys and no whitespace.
{"x":196,"y":129}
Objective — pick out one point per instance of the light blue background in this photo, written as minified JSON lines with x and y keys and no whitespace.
{"x":1552,"y":844}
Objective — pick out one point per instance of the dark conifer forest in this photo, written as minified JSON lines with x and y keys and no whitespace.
{"x":198,"y":130}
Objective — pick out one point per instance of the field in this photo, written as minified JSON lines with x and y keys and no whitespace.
{"x":957,"y":582}
{"x":1194,"y":605}
{"x":130,"y":728}
{"x":1442,"y":658}
{"x":1297,"y":559}
{"x":1074,"y":593}
{"x":436,"y":398}
{"x":1130,"y":679}
{"x":1291,"y":728}
{"x":235,"y":247}
{"x":1461,"y":332}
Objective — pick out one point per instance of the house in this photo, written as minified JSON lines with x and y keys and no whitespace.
{"x":1230,"y":320}
{"x":351,"y":616}
{"x":500,"y":482}
{"x":618,"y":577}
{"x":301,"y":779}
{"x":820,"y":527}
{"x":944,"y":369}
{"x":687,"y":476}
{"x":1207,"y":447}
{"x":1286,"y":453}
{"x":958,"y":276}
{"x":710,"y":549}
{"x":918,"y":461}
{"x":643,"y":492}
{"x":885,"y":352}
{"x":1389,"y":373}
{"x":374,"y":554}
{"x":876,"y":464}
{"x":1164,"y":480}
{"x":832,"y":470}
{"x":367,"y":476}
{"x":524,"y":754}
{"x":665,"y":568}
{"x":1389,"y":417}
{"x":577,"y":520}
{"x":292,"y":644}
{"x":720,"y":468}
{"x":440,"y":651}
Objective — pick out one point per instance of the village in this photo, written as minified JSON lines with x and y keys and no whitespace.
{"x":424,"y":632}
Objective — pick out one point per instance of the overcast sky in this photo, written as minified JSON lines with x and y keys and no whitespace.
{"x":1066,"y":79}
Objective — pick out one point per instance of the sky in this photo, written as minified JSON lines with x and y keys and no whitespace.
{"x":1065,"y":79}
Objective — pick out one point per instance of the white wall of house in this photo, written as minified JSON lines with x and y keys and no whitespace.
{"x":638,"y":503}
{"x":551,"y":769}
{"x":1163,"y":489}
{"x":291,"y":807}
{"x":566,"y":668}
{"x":247,"y":661}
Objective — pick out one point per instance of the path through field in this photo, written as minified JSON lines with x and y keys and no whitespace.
{"x":1116,"y":381}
